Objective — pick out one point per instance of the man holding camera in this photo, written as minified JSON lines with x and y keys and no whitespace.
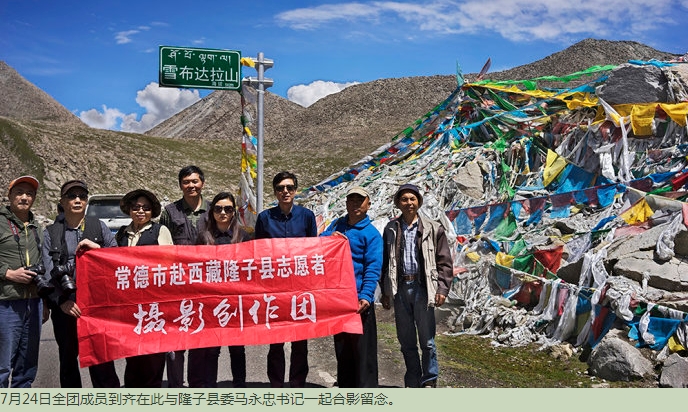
{"x":21,"y":310}
{"x":72,"y":234}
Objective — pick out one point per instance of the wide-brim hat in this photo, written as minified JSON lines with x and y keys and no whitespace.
{"x":408,"y":188}
{"x":30,"y":180}
{"x":71,"y":185}
{"x":129,"y":198}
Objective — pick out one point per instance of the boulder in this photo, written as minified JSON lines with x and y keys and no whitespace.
{"x":570,"y":272}
{"x":630,"y":245}
{"x":675,"y":372}
{"x":630,"y":83}
{"x":670,"y":276}
{"x":681,"y":243}
{"x":470,"y":180}
{"x":615,"y":359}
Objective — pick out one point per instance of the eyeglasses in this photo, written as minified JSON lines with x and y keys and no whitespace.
{"x":142,"y":207}
{"x":280,"y":188}
{"x":227,"y":209}
{"x":72,"y":196}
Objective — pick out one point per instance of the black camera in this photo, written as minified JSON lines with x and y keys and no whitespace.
{"x":63,"y":274}
{"x":43,"y":286}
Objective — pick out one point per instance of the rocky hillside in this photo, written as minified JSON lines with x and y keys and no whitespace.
{"x":41,"y":137}
{"x":24,"y":101}
{"x":352,"y":123}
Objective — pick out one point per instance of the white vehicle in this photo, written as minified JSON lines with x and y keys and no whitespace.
{"x":106,"y":208}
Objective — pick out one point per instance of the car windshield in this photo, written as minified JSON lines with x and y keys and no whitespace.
{"x":105,"y":210}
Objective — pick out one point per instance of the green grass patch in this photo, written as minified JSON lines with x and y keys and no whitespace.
{"x":470,"y":361}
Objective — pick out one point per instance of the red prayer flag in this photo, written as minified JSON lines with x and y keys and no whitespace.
{"x":151,"y":299}
{"x":550,"y":258}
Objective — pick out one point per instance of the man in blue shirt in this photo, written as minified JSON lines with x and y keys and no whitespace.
{"x":357,"y":354}
{"x":284,"y":221}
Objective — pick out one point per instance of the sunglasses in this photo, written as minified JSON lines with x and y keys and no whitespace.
{"x":142,"y":207}
{"x":227,"y":209}
{"x":280,"y":188}
{"x":72,"y":196}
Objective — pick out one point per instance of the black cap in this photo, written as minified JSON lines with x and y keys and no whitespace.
{"x":408,"y":188}
{"x":72,"y":184}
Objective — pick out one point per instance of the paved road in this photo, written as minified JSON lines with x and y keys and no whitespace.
{"x":321,"y":358}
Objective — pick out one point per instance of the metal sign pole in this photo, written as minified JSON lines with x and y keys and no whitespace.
{"x":261,"y":83}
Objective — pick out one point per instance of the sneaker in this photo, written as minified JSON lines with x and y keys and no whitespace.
{"x":430,"y":384}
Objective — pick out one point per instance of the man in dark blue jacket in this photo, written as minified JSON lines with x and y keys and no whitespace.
{"x":283,"y":221}
{"x":357,"y":354}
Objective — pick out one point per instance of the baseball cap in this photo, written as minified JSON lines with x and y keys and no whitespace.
{"x":358,"y":190}
{"x":72,"y":184}
{"x":32,"y":181}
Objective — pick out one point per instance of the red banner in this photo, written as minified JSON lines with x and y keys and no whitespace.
{"x":151,"y":299}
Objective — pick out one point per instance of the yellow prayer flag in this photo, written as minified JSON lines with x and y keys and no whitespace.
{"x":677,"y":112}
{"x":675,"y":345}
{"x":555,"y":164}
{"x":638,"y":213}
{"x":473,"y":256}
{"x":504,"y":260}
{"x":642,"y":118}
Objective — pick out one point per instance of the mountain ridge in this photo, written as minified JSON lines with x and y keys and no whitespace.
{"x":39,"y":136}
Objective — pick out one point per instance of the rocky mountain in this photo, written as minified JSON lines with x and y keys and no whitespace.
{"x":23,"y":100}
{"x":365,"y":116}
{"x":39,"y":136}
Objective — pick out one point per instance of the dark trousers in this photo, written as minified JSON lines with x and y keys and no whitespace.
{"x":144,"y":371}
{"x":64,"y":326}
{"x":298,"y":365}
{"x":357,"y":355}
{"x":203,"y":367}
{"x":175,"y":369}
{"x":237,"y":355}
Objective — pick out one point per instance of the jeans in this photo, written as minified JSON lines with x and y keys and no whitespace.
{"x":20,"y":338}
{"x":413,"y":316}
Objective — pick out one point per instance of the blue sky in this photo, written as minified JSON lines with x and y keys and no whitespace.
{"x":100,"y":58}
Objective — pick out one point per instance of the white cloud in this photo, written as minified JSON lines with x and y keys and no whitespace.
{"x":307,"y":94}
{"x":312,"y":17}
{"x":124,"y":37}
{"x":107,"y":119}
{"x":518,"y":20}
{"x":160,"y":104}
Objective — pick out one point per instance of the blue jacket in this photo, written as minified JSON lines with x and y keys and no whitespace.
{"x":366,"y":252}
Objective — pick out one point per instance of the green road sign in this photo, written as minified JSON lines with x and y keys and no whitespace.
{"x":199,"y":68}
